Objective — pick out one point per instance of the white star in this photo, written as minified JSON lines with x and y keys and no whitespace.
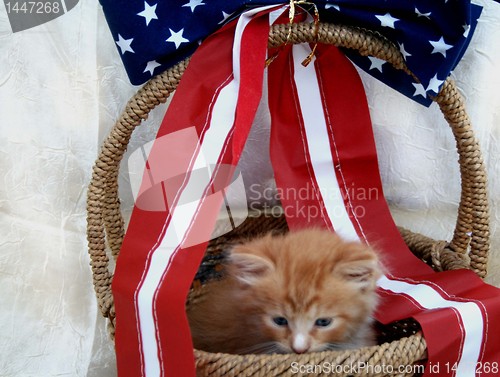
{"x":419,"y":90}
{"x":176,"y":37}
{"x":387,"y":20}
{"x":440,"y":47}
{"x":193,"y":4}
{"x":149,"y":13}
{"x":434,"y":84}
{"x":420,"y":14}
{"x":466,"y":30}
{"x":225,"y":16}
{"x":403,"y":51}
{"x":150,"y":67}
{"x":124,"y":44}
{"x":336,"y":7}
{"x":376,"y":63}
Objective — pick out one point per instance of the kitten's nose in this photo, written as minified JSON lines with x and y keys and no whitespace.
{"x":300,"y":344}
{"x":299,"y":350}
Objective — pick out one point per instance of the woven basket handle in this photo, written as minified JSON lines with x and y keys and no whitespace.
{"x":105,"y":227}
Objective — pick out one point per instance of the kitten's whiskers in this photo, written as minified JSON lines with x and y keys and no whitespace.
{"x":266,"y":347}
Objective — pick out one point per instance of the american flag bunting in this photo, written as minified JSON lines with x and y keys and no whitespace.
{"x":153,"y":35}
{"x":317,"y":110}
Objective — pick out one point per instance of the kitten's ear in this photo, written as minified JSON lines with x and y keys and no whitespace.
{"x":246,"y":267}
{"x":362,"y":272}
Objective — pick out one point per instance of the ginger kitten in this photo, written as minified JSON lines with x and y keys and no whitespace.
{"x":305,"y":291}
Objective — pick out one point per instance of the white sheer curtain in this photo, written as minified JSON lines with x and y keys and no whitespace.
{"x":62,"y":86}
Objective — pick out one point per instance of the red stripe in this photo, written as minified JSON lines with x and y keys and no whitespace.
{"x":442,"y":328}
{"x":300,"y":199}
{"x":347,"y":115}
{"x":360,"y":168}
{"x":465,"y":286}
{"x":176,"y":348}
{"x":145,"y":226}
{"x":252,"y":64}
{"x":212,"y":62}
{"x":172,"y":322}
{"x":489,"y":297}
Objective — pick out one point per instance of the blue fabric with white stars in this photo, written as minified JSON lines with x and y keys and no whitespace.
{"x":153,"y":35}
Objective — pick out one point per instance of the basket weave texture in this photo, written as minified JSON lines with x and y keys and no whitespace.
{"x":468,"y":247}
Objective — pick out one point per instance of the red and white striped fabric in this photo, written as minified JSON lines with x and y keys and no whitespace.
{"x":156,"y":268}
{"x":321,"y":111}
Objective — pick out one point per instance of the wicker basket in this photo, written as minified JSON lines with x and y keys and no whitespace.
{"x":467,"y":249}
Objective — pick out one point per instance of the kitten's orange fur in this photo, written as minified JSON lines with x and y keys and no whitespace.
{"x":298,"y":278}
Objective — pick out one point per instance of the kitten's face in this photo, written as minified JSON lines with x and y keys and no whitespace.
{"x":308,"y":291}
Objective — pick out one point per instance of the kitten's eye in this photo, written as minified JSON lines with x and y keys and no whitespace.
{"x":280,"y":321}
{"x":323,"y":322}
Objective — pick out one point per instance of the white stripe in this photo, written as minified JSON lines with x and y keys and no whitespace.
{"x":221,"y":123}
{"x":470,"y":313}
{"x":243,"y":21}
{"x":275,"y":14}
{"x":160,"y":260}
{"x":318,"y":142}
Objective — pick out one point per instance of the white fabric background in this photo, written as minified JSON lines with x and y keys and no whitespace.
{"x":62,"y":86}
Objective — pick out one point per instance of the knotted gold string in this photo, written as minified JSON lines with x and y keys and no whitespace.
{"x":291,"y":18}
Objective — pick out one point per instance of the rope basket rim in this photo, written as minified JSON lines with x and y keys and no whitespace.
{"x":467,"y":249}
